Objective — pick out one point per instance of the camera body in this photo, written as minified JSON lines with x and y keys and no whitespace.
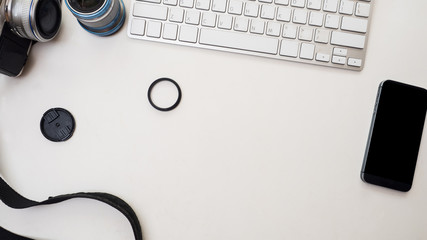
{"x":14,"y":51}
{"x":22,"y":23}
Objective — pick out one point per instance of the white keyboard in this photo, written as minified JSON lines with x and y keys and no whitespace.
{"x":323,"y":32}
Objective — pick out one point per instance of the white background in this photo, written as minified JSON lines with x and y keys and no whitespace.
{"x":257,"y":149}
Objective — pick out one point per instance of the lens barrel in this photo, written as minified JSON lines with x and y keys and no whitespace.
{"x":38,"y":20}
{"x":100,"y":17}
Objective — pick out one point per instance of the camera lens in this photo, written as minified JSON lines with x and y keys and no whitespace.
{"x":38,"y":20}
{"x":87,"y":6}
{"x":48,"y":19}
{"x":100,"y":17}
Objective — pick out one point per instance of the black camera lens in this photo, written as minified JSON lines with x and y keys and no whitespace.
{"x":86,"y":6}
{"x":48,"y":18}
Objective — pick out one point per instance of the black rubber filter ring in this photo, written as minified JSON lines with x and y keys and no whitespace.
{"x":178,"y":100}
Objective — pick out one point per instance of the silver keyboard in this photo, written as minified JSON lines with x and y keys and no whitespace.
{"x":330,"y":33}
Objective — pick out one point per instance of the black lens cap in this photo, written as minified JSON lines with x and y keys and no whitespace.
{"x":57,"y":125}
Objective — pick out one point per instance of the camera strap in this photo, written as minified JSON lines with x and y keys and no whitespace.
{"x":14,"y":200}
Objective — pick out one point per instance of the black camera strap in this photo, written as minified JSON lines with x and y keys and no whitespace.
{"x":14,"y":200}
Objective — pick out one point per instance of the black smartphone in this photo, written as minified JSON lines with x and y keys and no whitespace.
{"x":395,"y":136}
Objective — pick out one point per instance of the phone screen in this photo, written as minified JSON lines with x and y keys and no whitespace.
{"x":395,"y":135}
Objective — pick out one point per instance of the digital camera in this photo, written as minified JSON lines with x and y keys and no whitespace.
{"x":23,"y":22}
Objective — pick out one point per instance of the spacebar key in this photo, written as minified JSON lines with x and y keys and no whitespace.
{"x":238,"y":41}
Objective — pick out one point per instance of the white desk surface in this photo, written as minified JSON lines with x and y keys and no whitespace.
{"x":257,"y":149}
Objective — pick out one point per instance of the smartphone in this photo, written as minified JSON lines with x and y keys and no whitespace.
{"x":395,"y":136}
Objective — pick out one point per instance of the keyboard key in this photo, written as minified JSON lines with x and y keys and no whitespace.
{"x":193,"y":17}
{"x":203,"y":4}
{"x":332,"y":21}
{"x":354,"y":62}
{"x":268,"y":12}
{"x":273,"y":29}
{"x":251,"y":9}
{"x":240,"y":41}
{"x":176,"y":15}
{"x":235,"y":7}
{"x":338,"y":60}
{"x":354,"y":24}
{"x":170,"y":31}
{"x":362,"y":9}
{"x":188,"y":34}
{"x":219,"y":5}
{"x":305,"y":34}
{"x":346,"y":7}
{"x":314,"y":4}
{"x":316,"y":19}
{"x":321,"y":36}
{"x":307,"y":51}
{"x":322,"y":57}
{"x":186,"y":3}
{"x":154,"y":29}
{"x":289,"y":48}
{"x":284,"y":14}
{"x":282,"y":2}
{"x":208,"y":19}
{"x":170,"y":2}
{"x":138,"y":27}
{"x":348,"y":40}
{"x":330,"y":5}
{"x":298,"y":3}
{"x":340,"y":52}
{"x":241,"y":24}
{"x":290,"y":31}
{"x":225,"y":21}
{"x":157,"y":12}
{"x":300,"y":16}
{"x":257,"y":26}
